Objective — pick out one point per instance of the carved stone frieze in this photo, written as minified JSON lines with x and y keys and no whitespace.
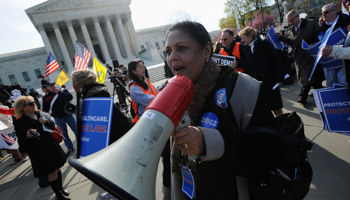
{"x":73,"y":4}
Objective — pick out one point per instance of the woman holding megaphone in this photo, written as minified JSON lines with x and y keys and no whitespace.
{"x":211,"y":134}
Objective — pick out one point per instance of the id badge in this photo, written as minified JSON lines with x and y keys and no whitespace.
{"x":188,"y":185}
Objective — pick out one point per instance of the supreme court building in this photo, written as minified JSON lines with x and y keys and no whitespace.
{"x":104,"y":27}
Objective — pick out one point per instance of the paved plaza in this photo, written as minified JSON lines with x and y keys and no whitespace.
{"x":329,"y":158}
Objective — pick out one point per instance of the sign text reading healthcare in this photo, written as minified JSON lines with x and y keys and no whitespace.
{"x":96,"y":124}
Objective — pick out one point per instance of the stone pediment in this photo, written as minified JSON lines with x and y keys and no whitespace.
{"x":62,"y":5}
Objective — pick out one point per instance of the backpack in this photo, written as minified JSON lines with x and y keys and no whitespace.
{"x":273,"y":160}
{"x":288,"y":174}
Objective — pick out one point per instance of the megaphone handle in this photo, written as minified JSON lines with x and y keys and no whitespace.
{"x":185,"y":122}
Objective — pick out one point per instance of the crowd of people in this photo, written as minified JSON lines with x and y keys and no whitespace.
{"x":219,"y":95}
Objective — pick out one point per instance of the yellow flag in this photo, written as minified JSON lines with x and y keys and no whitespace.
{"x":62,"y":78}
{"x":100,"y":70}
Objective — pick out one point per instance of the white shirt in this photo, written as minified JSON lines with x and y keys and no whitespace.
{"x":298,"y":27}
{"x":330,"y":23}
{"x":252,"y":46}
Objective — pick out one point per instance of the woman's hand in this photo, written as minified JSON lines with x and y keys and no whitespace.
{"x":193,"y":137}
{"x":42,"y":119}
{"x":29,"y":135}
{"x":234,"y":64}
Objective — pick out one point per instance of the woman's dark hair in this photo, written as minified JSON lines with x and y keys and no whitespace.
{"x":131,"y":76}
{"x":195,"y":30}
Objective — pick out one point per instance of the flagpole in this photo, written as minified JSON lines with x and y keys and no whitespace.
{"x":79,"y":124}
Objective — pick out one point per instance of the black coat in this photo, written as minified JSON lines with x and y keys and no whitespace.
{"x":120,"y":124}
{"x":270,"y":70}
{"x":303,"y":60}
{"x":57,"y":109}
{"x":45,"y":154}
{"x":218,"y":177}
{"x":246,"y":61}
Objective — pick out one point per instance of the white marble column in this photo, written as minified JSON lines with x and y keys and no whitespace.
{"x":123,"y":35}
{"x":87,"y":37}
{"x":112,"y":36}
{"x":129,"y":37}
{"x":45,"y":39}
{"x":102,"y":41}
{"x":62,"y":45}
{"x":133,"y":32}
{"x":71,"y":31}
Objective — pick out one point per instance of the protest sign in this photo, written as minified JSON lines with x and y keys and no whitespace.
{"x":334,"y":107}
{"x":323,"y":44}
{"x":8,"y":137}
{"x":336,"y":38}
{"x":96,"y":124}
{"x":271,"y":36}
{"x":223,"y":60}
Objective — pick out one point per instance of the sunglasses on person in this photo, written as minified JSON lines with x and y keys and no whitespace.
{"x":224,"y":39}
{"x":326,"y":12}
{"x":31,"y":103}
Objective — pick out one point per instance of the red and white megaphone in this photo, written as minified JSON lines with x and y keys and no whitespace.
{"x":127,"y":169}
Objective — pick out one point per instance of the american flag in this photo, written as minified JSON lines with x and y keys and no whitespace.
{"x":51,"y":65}
{"x":82,"y":56}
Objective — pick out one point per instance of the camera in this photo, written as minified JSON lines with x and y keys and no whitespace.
{"x":35,"y":134}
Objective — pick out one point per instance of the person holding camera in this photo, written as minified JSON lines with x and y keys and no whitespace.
{"x":53,"y":102}
{"x":44,"y":151}
{"x":119,"y":82}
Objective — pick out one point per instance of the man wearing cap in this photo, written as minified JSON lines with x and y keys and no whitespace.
{"x":53,"y":103}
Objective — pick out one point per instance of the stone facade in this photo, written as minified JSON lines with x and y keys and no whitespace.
{"x":25,"y":68}
{"x":104,"y":27}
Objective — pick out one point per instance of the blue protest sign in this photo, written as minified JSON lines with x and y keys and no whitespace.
{"x":338,"y":85}
{"x":335,"y":105}
{"x":271,"y":36}
{"x":336,"y":37}
{"x":96,"y":124}
{"x":323,"y":44}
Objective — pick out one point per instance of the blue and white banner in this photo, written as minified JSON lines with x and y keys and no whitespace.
{"x":336,"y":38}
{"x":8,"y":137}
{"x":96,"y":124}
{"x":323,"y":43}
{"x":333,"y":105}
{"x":271,"y":36}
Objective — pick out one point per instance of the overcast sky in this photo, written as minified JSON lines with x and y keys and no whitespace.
{"x":18,"y":33}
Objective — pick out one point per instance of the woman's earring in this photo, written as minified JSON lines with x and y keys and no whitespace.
{"x":207,"y":59}
{"x":81,"y":90}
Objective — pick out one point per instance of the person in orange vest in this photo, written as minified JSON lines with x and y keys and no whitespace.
{"x":141,"y":89}
{"x":243,"y":55}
